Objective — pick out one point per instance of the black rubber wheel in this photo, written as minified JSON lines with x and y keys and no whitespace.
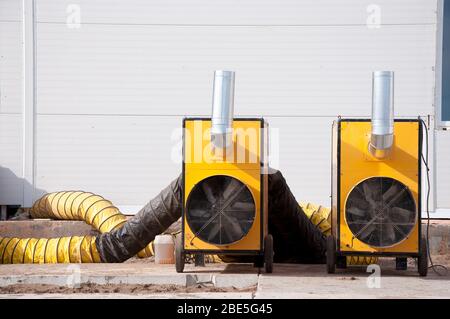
{"x":268,"y":254}
{"x":331,"y":255}
{"x":259,"y":261}
{"x":180,"y":256}
{"x":422,"y":261}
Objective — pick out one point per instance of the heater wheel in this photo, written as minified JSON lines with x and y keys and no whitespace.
{"x":422,"y":261}
{"x":180,"y":256}
{"x":268,"y":254}
{"x":331,"y":254}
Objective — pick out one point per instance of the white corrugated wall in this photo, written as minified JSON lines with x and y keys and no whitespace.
{"x":11,"y":184}
{"x":110,"y":93}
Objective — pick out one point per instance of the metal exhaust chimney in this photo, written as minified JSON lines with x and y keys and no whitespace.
{"x":382,"y":133}
{"x":222,"y":109}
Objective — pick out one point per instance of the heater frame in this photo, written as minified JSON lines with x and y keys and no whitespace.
{"x":336,"y":199}
{"x":263,"y":205}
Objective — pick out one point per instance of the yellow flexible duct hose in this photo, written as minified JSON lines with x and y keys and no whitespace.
{"x":95,"y":210}
{"x":75,"y":249}
{"x":213,"y":259}
{"x":69,"y":205}
{"x":321,"y":217}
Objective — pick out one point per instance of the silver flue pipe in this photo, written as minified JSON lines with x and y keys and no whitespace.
{"x":222,"y":109}
{"x":382,"y":132}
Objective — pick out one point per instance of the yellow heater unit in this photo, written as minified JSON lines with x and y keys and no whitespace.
{"x":376,"y":191}
{"x":376,"y":202}
{"x":225,"y":192}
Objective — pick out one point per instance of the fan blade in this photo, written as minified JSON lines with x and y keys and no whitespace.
{"x":209,"y":193}
{"x":243,"y":206}
{"x":372,"y":191}
{"x":360,"y":203}
{"x":232,"y":225}
{"x":398,"y":214}
{"x":232,"y":186}
{"x":391,"y":192}
{"x":366,"y":191}
{"x":388,"y":233}
{"x":241,"y":215}
{"x":366,"y":232}
{"x":356,"y":211}
{"x":197,"y":212}
{"x":214,"y":230}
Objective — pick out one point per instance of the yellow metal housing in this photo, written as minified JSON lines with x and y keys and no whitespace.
{"x":353,"y":163}
{"x":246,"y":163}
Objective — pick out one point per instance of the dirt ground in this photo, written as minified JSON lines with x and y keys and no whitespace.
{"x":109,"y":288}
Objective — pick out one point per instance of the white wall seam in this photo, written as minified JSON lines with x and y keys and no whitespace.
{"x":238,"y":25}
{"x":29,"y":102}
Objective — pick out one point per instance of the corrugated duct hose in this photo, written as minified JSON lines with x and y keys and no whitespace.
{"x":153,"y":219}
{"x":135,"y":234}
{"x":95,"y":210}
{"x":296,"y":239}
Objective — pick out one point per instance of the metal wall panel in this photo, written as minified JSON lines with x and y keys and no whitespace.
{"x":10,"y":67}
{"x":304,"y":155}
{"x":11,"y":182}
{"x":168,"y":70}
{"x":235,"y":12}
{"x":127,"y":159}
{"x":11,"y":10}
{"x":11,"y":91}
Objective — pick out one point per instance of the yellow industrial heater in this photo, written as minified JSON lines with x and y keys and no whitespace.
{"x":376,"y":185}
{"x":224,"y":183}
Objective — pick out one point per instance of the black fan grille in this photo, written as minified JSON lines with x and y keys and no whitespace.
{"x":220,"y":210}
{"x":380,"y":211}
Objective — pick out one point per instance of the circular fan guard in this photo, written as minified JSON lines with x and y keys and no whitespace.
{"x":220,"y":210}
{"x":380,"y":211}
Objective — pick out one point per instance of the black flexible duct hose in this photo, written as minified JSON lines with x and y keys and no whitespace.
{"x":153,"y":219}
{"x":296,"y":239}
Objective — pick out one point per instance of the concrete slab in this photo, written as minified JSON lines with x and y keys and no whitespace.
{"x":312,"y":281}
{"x":214,"y":275}
{"x":45,"y":228}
